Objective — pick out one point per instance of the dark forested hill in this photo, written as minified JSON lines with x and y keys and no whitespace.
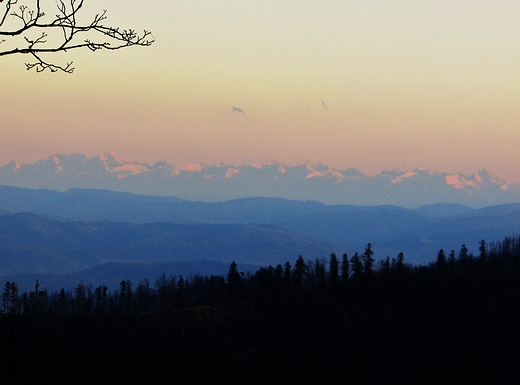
{"x":334,"y":321}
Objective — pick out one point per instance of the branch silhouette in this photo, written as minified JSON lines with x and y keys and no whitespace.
{"x":28,"y":30}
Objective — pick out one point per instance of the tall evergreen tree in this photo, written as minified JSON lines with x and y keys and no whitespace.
{"x":357,"y":266}
{"x":80,"y":298}
{"x":399,"y":266}
{"x":300,"y":269}
{"x":464,"y":258}
{"x":333,"y":271}
{"x":451,"y":262}
{"x":368,"y":261}
{"x":233,"y":281}
{"x":345,"y":270}
{"x":320,"y":274}
{"x":100,"y":299}
{"x":483,"y":250}
{"x":440,"y":264}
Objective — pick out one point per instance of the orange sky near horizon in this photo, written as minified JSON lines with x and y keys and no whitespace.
{"x":374,"y":85}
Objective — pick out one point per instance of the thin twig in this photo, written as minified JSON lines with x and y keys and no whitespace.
{"x":106,"y":37}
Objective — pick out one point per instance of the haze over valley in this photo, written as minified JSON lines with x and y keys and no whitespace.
{"x":106,"y":236}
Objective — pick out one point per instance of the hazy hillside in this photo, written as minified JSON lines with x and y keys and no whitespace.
{"x":357,"y":223}
{"x":267,"y":230}
{"x":443,"y":210}
{"x":96,"y":205}
{"x":30,"y":243}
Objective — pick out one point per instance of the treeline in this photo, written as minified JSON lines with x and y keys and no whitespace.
{"x":343,"y":319}
{"x":267,"y":287}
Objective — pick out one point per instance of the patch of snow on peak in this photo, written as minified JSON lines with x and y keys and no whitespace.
{"x":189,"y":167}
{"x":192,"y":167}
{"x":454,"y":180}
{"x":310,"y":166}
{"x":111,"y":160}
{"x":133,"y":168}
{"x":111,"y":156}
{"x":339,"y":176}
{"x":57,"y":163}
{"x":458,"y":181}
{"x":230,"y":172}
{"x":313,"y":174}
{"x":399,"y":179}
{"x":17,"y":166}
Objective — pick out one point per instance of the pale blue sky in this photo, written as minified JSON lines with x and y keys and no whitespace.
{"x":429,"y":84}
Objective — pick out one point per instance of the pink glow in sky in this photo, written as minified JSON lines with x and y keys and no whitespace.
{"x":406,"y":84}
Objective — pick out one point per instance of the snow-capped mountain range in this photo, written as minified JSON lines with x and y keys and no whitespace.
{"x":301,"y":181}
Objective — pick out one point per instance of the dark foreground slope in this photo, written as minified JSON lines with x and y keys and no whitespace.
{"x":454,"y":321}
{"x":429,"y":336}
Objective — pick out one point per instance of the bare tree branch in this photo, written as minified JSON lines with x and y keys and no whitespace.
{"x":42,"y":35}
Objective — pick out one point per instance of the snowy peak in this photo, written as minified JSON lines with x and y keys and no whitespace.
{"x":111,"y":156}
{"x":111,"y":160}
{"x":459,"y":181}
{"x":484,"y":176}
{"x":114,"y":163}
{"x":190,"y":167}
{"x":13,"y":166}
{"x":479,"y":180}
{"x":303,"y":181}
{"x":404,"y":176}
{"x":52,"y":163}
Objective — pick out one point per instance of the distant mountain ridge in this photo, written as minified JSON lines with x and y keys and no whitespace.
{"x":299,"y":181}
{"x":420,"y":232}
{"x":48,"y":232}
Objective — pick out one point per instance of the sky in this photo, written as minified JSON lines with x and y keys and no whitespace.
{"x":374,"y":85}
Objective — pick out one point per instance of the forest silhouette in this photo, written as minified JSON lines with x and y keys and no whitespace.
{"x":336,"y":320}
